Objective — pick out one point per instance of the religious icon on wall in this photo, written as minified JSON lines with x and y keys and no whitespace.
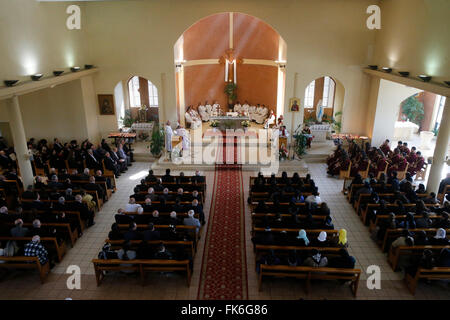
{"x":106,"y":104}
{"x":294,"y":104}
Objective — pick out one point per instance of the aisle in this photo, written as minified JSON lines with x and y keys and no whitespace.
{"x":224,"y":269}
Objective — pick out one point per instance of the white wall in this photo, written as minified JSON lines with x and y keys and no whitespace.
{"x":390,"y":97}
{"x":55,"y":112}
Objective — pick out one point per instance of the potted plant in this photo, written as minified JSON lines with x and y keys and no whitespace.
{"x":230,"y":91}
{"x":300,"y":141}
{"x":335,"y":123}
{"x":127,"y":120}
{"x":157,"y":142}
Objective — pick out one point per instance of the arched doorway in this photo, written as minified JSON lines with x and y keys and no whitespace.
{"x":324,"y":97}
{"x":143,"y":99}
{"x":230,"y":47}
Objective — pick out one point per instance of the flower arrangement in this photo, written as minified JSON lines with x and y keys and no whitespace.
{"x":283,"y":152}
{"x":245,"y":123}
{"x":214,"y":124}
{"x":143,"y":108}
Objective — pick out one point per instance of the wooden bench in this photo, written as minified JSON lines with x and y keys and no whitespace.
{"x":393,"y":233}
{"x":395,"y":253}
{"x":142,"y":266}
{"x":22,"y":262}
{"x":189,"y":245}
{"x":311,"y":273}
{"x":63,"y":227}
{"x":437,"y":273}
{"x":52,"y":242}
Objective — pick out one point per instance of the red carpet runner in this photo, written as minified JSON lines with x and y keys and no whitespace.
{"x":224,"y":266}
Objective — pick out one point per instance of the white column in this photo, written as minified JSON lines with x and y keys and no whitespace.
{"x":440,"y":150}
{"x":20,"y":141}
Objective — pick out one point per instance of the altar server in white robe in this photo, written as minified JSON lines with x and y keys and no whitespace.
{"x":238,"y":107}
{"x":251,"y":112}
{"x":209,"y":108}
{"x":216,"y":108}
{"x":245,"y":107}
{"x":203,"y":113}
{"x":270,"y":120}
{"x":191,"y":119}
{"x":185,"y":139}
{"x":168,"y":136}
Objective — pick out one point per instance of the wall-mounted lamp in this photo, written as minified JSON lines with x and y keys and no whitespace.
{"x":425,"y":78}
{"x":10,"y":83}
{"x":36,"y":77}
{"x":75,"y":69}
{"x":373,"y":67}
{"x":57,"y":73}
{"x":387,"y":70}
{"x":404,"y":73}
{"x":178,"y":65}
{"x":88,"y":66}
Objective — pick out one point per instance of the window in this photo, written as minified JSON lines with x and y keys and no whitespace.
{"x":152,"y":94}
{"x":139,"y":97}
{"x":133,"y":90}
{"x":309,"y":95}
{"x":437,"y":123}
{"x":328,"y":92}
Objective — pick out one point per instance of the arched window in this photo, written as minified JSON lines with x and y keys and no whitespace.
{"x":328,"y":92}
{"x":152,"y":94}
{"x":142,"y":92}
{"x":133,"y":90}
{"x":309,"y":95}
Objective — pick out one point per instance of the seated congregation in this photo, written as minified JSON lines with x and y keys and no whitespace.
{"x":408,"y":223}
{"x":163,"y":220}
{"x":372,"y":161}
{"x":293,"y":234}
{"x":37,"y":224}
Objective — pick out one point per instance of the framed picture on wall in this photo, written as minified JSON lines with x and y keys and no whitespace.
{"x":106,"y":104}
{"x":294,"y":104}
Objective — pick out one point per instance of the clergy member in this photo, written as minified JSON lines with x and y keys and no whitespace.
{"x":185,"y":140}
{"x":168,"y":134}
{"x":203,"y":113}
{"x":270,"y":120}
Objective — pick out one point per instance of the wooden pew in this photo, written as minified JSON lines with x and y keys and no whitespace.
{"x":142,"y":266}
{"x":393,"y":233}
{"x":63,"y":227}
{"x":189,"y":245}
{"x":50,"y":241}
{"x":76,"y":215}
{"x":395,"y":253}
{"x":437,"y":273}
{"x":22,"y":262}
{"x":311,"y":273}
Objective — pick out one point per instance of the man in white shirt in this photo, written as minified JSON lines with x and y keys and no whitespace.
{"x":168,"y":137}
{"x":132,"y":206}
{"x":313,"y":198}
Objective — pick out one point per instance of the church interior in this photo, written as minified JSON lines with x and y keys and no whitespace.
{"x":224,"y":150}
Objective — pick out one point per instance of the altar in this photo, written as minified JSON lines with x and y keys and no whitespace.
{"x":229,"y":122}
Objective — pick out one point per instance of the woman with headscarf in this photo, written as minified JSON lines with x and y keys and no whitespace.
{"x":302,"y":239}
{"x":316,"y":260}
{"x":341,"y":239}
{"x":321,"y":240}
{"x":440,"y":239}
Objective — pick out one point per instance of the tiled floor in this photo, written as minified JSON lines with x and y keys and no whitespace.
{"x":26,"y":284}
